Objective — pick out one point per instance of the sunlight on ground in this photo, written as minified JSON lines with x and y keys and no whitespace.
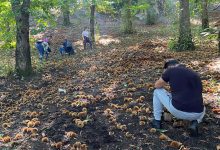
{"x":195,"y":21}
{"x":159,"y":45}
{"x":82,"y":72}
{"x":195,"y":62}
{"x":109,"y":91}
{"x":93,"y":68}
{"x":106,"y":40}
{"x":215,"y":65}
{"x":79,"y":43}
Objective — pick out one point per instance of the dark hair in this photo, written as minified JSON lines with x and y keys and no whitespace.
{"x":170,"y":62}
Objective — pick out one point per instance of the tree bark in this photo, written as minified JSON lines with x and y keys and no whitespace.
{"x":219,"y":42}
{"x":160,"y":5}
{"x":185,"y":36}
{"x":151,"y":15}
{"x":66,"y":13}
{"x":92,"y":23}
{"x":205,"y":16}
{"x":22,"y":52}
{"x":127,"y":18}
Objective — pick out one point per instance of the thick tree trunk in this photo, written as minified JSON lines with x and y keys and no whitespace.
{"x":160,"y":5}
{"x":185,"y":36}
{"x":127,"y":18}
{"x":151,"y":15}
{"x":92,"y":24}
{"x":205,"y":16}
{"x":66,"y":13}
{"x":219,"y":41}
{"x":22,"y":53}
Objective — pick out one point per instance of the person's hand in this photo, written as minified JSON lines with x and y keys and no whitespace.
{"x":160,"y":83}
{"x":164,"y":70}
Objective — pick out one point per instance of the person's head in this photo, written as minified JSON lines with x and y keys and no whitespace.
{"x":170,"y":63}
{"x":85,"y":28}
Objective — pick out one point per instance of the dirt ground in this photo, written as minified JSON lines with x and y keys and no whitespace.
{"x":102,"y":98}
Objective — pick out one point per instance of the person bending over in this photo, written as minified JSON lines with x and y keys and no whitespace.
{"x":185,"y":100}
{"x":68,"y":47}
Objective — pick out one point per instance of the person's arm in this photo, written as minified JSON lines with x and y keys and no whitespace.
{"x":36,"y":45}
{"x":160,"y":83}
{"x":64,"y":44}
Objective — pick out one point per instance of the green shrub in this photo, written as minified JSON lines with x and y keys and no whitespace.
{"x":6,"y":69}
{"x":172,"y":44}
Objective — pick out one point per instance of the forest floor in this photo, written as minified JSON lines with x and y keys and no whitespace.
{"x":102,"y":98}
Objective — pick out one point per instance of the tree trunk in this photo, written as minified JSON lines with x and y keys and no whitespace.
{"x":92,"y":23}
{"x":205,"y":17}
{"x":151,"y":15}
{"x":22,"y":52}
{"x":219,"y":42}
{"x":66,"y":13}
{"x":160,"y":5}
{"x":185,"y":36}
{"x":127,"y":18}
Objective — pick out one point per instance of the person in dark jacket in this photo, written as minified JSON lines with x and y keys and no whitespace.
{"x":185,"y":100}
{"x":68,"y":47}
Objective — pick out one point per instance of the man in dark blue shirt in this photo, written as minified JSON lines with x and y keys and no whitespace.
{"x":185,"y":100}
{"x":68,"y":47}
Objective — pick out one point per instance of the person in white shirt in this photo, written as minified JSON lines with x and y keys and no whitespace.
{"x":86,"y":39}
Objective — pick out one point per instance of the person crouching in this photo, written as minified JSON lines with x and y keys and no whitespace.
{"x":185,"y":100}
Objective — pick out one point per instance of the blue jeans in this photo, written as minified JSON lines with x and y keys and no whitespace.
{"x":163,"y":98}
{"x":41,"y":54}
